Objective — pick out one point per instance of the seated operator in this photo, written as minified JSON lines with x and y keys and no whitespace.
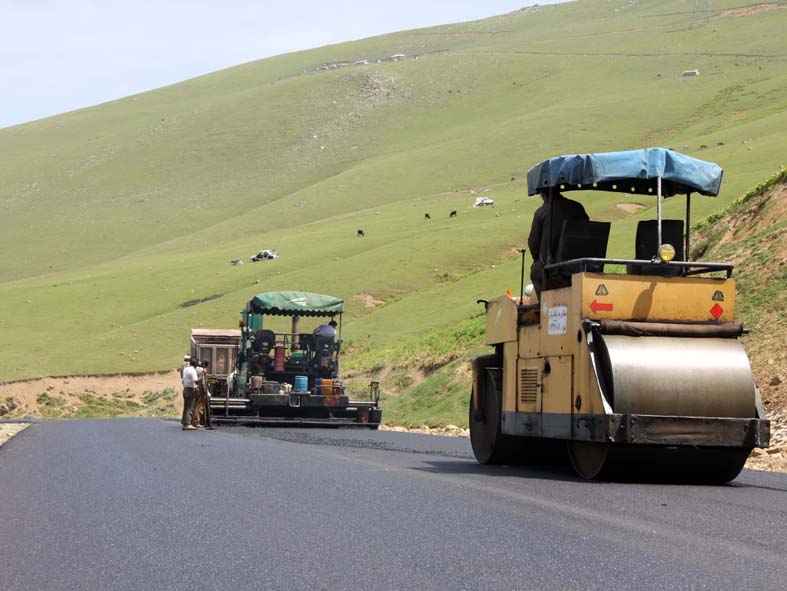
{"x":545,"y":232}
{"x":324,"y":336}
{"x":326,"y":331}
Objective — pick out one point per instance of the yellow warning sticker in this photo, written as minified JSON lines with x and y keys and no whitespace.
{"x":601,"y":289}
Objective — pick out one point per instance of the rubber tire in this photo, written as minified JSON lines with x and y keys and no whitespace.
{"x":490,"y":446}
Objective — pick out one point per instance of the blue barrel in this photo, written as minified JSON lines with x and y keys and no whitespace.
{"x":301,"y":383}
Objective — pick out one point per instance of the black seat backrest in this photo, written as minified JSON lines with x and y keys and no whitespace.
{"x":647,"y":238}
{"x":580,"y":240}
{"x":306,"y":341}
{"x":264,"y":340}
{"x":646,"y":246}
{"x":323,"y":343}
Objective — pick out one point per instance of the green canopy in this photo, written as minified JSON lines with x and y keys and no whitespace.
{"x":295,"y":303}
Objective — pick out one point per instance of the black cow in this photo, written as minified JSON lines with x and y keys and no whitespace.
{"x":360,"y":233}
{"x":452,"y":214}
{"x":427,"y":216}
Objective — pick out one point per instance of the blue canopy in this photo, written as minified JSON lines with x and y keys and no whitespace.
{"x":633,"y":171}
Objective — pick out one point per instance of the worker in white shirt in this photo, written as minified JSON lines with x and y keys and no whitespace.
{"x":189,"y":377}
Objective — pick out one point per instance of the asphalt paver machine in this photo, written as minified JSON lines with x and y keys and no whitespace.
{"x":633,"y":366}
{"x":291,"y":378}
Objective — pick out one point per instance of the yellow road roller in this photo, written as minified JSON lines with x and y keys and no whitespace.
{"x":634,"y":367}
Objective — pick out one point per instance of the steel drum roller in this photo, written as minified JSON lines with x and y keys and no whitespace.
{"x":708,"y":377}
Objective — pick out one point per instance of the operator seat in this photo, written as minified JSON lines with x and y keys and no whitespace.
{"x":646,"y":246}
{"x":264,"y":340}
{"x":580,"y":240}
{"x":323,"y":350}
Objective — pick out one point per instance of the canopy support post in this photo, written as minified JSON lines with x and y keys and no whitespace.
{"x":549,"y":256}
{"x":296,"y":329}
{"x":686,"y":252}
{"x":658,"y":209}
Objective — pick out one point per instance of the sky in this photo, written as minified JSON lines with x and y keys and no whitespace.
{"x":61,"y":55}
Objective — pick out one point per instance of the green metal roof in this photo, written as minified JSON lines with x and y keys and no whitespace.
{"x":295,"y":303}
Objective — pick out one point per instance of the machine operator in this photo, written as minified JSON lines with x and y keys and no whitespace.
{"x":545,"y":231}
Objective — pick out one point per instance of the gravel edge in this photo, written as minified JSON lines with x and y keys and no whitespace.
{"x":8,"y":430}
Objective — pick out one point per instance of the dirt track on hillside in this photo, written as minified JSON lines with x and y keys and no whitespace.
{"x":134,"y":387}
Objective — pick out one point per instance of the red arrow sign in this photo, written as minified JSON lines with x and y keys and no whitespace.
{"x":598,"y":306}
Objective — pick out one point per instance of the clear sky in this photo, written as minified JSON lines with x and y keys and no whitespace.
{"x":60,"y":55}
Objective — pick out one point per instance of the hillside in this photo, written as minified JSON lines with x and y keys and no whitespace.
{"x":751,"y":233}
{"x":117,"y":218}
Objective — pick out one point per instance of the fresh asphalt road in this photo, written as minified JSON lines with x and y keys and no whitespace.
{"x":140,"y":504}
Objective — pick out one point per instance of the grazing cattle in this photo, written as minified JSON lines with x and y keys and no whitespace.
{"x":452,"y":214}
{"x":236,"y":262}
{"x":703,"y":147}
{"x":427,"y":216}
{"x":360,"y":233}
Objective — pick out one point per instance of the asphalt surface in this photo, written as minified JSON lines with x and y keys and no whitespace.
{"x":140,"y":504}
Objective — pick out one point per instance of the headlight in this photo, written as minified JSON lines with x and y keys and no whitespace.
{"x":666,"y":252}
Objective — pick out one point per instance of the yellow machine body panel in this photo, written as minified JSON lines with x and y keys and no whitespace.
{"x":510,"y":367}
{"x":558,"y":380}
{"x":549,"y":368}
{"x":549,"y":363}
{"x":501,"y":315}
{"x":559,"y":341}
{"x":529,"y":374}
{"x":648,"y":298}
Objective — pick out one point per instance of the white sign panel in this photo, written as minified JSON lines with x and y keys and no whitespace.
{"x":557,"y":320}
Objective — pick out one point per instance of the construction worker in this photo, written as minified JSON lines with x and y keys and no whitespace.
{"x":186,"y":363}
{"x":189,"y":379}
{"x":202,"y":394}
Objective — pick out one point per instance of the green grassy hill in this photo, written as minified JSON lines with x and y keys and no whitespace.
{"x":117,"y":215}
{"x":751,"y":232}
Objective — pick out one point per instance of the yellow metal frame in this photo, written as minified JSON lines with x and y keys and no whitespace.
{"x":558,"y":342}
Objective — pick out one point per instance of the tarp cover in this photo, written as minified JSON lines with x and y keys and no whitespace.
{"x":633,"y":171}
{"x":295,"y":303}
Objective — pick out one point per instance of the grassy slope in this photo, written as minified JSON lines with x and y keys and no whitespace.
{"x":751,"y":232}
{"x":115,"y":215}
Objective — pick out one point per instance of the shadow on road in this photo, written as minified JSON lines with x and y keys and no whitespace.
{"x":564,"y":473}
{"x":537,"y":472}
